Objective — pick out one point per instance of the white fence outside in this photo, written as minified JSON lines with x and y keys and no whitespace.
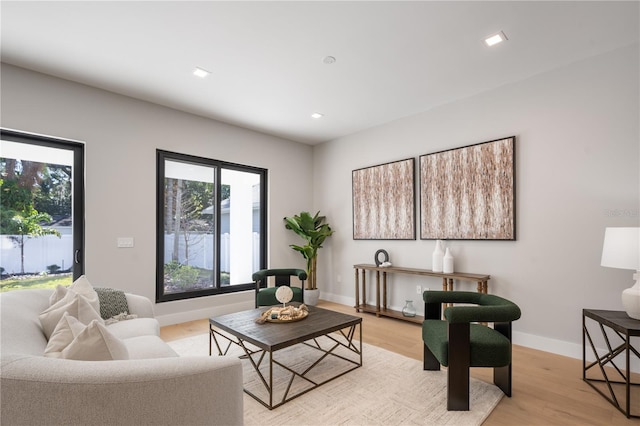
{"x":50,"y":250}
{"x":201,"y":250}
{"x":39,"y":253}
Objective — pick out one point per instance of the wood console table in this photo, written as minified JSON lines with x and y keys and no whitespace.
{"x":380,"y":309}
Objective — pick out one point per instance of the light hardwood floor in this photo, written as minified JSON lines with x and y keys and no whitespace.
{"x":547,"y":388}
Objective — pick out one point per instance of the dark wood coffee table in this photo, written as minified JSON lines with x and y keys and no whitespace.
{"x":257,"y":340}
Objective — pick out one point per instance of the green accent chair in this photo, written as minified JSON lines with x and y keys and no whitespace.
{"x":266,"y":296}
{"x":458,"y":344}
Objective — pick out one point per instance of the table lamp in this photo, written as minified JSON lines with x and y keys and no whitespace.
{"x":621,"y":249}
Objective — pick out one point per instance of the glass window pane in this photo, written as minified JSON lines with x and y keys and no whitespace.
{"x":240,"y":226}
{"x":189,"y":218}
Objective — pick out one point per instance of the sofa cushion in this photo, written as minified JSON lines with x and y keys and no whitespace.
{"x":21,"y":327}
{"x":135,"y":327}
{"x":80,"y":286}
{"x":95,"y":343}
{"x":78,"y":307}
{"x":68,"y":327}
{"x":488,"y":348}
{"x":148,"y":347}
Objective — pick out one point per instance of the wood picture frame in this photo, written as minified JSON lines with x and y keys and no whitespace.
{"x":469,"y":193}
{"x":384,"y":201}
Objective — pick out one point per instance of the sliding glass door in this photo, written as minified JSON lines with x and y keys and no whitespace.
{"x":41,"y":210}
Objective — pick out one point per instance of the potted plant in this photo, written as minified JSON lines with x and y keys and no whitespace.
{"x":314,"y":231}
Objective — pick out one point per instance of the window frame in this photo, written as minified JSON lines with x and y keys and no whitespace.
{"x":78,"y":193}
{"x":219,"y":165}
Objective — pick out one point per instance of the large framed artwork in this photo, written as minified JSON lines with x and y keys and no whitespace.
{"x":384,"y":201}
{"x":468,"y":193}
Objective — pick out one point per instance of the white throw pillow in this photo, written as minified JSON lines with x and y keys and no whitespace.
{"x":59,"y":293}
{"x":67,"y":329}
{"x":79,"y":307}
{"x":95,"y":343}
{"x":83,"y":286}
{"x":80,"y":286}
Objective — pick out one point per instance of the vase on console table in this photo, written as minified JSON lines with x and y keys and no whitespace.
{"x":447,"y":262}
{"x":437,"y":257}
{"x":409,"y":310}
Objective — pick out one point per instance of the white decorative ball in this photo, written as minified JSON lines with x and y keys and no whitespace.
{"x":284,"y":294}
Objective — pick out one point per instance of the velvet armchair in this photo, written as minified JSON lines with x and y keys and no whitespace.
{"x":459,"y":342}
{"x":266,"y":296}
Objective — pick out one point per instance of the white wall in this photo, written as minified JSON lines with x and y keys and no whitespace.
{"x":121,"y":136}
{"x":577,"y":172}
{"x":577,"y":156}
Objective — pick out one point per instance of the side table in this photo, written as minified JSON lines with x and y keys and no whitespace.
{"x":625,"y":328}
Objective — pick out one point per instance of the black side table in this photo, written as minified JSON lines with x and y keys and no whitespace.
{"x":625,"y":328}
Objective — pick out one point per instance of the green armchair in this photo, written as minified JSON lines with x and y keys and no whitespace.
{"x":458,"y":344}
{"x":266,"y":296}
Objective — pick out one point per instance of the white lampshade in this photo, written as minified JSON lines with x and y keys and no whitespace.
{"x":621,"y":249}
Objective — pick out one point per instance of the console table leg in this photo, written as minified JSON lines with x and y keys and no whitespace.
{"x":378,"y":293}
{"x":357,"y":291}
{"x":384,"y":290}
{"x":364,"y":287}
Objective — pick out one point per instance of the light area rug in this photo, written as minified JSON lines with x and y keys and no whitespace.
{"x":389,"y":389}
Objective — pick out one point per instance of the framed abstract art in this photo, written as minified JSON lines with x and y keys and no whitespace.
{"x":384,"y":201}
{"x":468,"y":193}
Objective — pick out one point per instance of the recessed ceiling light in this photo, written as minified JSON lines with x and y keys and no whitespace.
{"x":495,"y":39}
{"x":317,"y":115}
{"x":200,"y":72}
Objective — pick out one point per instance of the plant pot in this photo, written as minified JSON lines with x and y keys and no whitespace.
{"x":311,"y":297}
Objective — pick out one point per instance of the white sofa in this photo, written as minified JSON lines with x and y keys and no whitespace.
{"x":153,"y":387}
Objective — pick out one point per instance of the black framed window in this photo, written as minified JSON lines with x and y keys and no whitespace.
{"x":211,"y":226}
{"x":41,"y":210}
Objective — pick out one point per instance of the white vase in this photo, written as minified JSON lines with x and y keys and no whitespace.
{"x":437,"y":257}
{"x":447,"y":262}
{"x":311,"y":297}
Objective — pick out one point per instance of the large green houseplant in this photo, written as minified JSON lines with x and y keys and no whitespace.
{"x":314,"y":231}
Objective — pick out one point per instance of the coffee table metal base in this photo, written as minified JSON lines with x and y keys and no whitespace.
{"x":342,"y":339}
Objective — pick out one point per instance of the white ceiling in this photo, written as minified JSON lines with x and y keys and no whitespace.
{"x":394,"y":59}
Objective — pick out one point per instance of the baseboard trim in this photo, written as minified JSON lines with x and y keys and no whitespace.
{"x":213,"y":311}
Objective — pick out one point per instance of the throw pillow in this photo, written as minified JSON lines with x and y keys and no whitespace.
{"x":80,"y":286}
{"x":79,"y":308}
{"x":67,"y":329}
{"x":95,"y":343}
{"x":58,"y":294}
{"x":112,"y":302}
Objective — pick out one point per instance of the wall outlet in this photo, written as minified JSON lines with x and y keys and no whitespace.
{"x":418,"y":289}
{"x":125,"y":242}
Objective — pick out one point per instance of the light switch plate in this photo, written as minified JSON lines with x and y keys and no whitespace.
{"x":125,"y":242}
